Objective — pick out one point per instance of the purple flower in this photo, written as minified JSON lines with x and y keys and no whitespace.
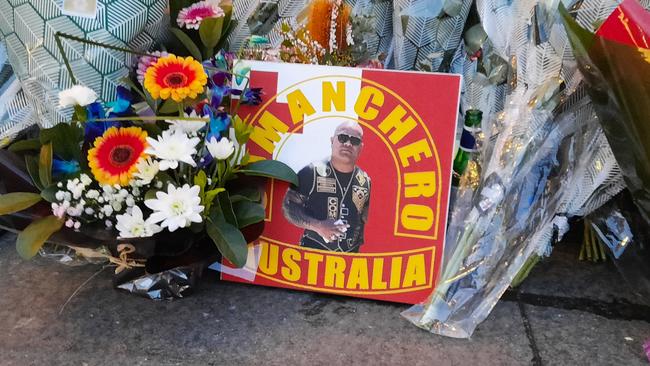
{"x":252,"y":96}
{"x":145,"y":61}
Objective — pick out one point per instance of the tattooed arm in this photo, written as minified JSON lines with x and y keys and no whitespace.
{"x":295,"y":210}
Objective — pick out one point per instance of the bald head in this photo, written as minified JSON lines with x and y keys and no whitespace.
{"x":350,"y":127}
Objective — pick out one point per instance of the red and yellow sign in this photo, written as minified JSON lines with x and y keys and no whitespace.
{"x":391,"y":190}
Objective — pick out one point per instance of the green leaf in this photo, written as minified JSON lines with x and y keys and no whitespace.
{"x":210,"y":196}
{"x":188,"y":43}
{"x":271,"y":169}
{"x":210,"y":32}
{"x":228,"y":239}
{"x":246,"y":193}
{"x":201,"y":180}
{"x":151,"y":194}
{"x":66,"y":140}
{"x":45,"y":165}
{"x":222,"y":45}
{"x":31,"y":239}
{"x":168,"y":107}
{"x":226,"y":208}
{"x":152,"y":129}
{"x":25,"y":145}
{"x":17,"y":201}
{"x":49,"y":192}
{"x":80,"y":114}
{"x":31,"y":163}
{"x":248,"y":213}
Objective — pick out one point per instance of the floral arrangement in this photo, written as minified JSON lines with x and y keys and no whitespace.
{"x":332,"y":34}
{"x":168,"y":156}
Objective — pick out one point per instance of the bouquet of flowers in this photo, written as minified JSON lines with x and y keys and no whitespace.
{"x":162,"y":168}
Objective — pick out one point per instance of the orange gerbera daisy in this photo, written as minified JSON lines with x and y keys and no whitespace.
{"x":175,"y":77}
{"x":113,"y":158}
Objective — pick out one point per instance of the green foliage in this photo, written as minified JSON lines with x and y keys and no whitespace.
{"x":225,"y":206}
{"x":31,"y":239}
{"x":187,"y":43}
{"x":271,"y":169}
{"x":31,"y":163}
{"x":25,"y":145}
{"x":45,"y":165}
{"x":80,"y":114}
{"x":246,"y":193}
{"x":210,"y":32}
{"x":66,"y":140}
{"x":151,"y":194}
{"x":169,"y":107}
{"x":49,"y":192}
{"x":17,"y":201}
{"x":248,"y":212}
{"x":243,"y":129}
{"x":227,"y":237}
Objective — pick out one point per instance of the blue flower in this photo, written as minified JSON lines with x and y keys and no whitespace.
{"x":219,"y":122}
{"x":95,"y":111}
{"x":252,"y":96}
{"x":223,"y":60}
{"x":62,"y":167}
{"x":122,"y":106}
{"x":95,"y":128}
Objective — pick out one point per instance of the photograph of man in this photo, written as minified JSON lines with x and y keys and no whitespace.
{"x":332,"y":200}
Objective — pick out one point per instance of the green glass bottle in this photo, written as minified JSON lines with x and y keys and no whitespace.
{"x":467,"y":144}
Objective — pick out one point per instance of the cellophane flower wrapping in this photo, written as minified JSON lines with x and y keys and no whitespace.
{"x":543,"y":159}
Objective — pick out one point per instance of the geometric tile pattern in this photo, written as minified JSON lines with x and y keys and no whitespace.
{"x":28,"y":28}
{"x":425,"y":40}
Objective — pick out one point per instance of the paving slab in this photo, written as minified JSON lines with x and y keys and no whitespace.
{"x":570,"y":337}
{"x":562,"y":274}
{"x":221,"y":323}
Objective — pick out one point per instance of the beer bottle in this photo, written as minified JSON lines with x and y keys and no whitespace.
{"x":467,"y":144}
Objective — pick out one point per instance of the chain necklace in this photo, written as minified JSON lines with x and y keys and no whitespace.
{"x":346,"y":189}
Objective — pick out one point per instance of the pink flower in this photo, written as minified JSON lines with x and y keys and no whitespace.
{"x":192,"y":16}
{"x":372,"y":64}
{"x":145,"y":61}
{"x":646,"y":348}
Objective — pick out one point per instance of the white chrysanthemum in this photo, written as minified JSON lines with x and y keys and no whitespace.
{"x":184,"y":126}
{"x":146,"y":170}
{"x":177,"y":208}
{"x":172,"y":147}
{"x":135,"y":226}
{"x":192,"y":16}
{"x":220,"y":150}
{"x":77,"y":95}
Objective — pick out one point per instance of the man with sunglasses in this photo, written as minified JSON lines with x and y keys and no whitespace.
{"x":332,"y":200}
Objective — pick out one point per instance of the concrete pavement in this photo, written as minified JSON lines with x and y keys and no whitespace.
{"x":225,"y":323}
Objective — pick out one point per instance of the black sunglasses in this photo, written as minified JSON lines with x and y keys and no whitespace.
{"x":343,"y":138}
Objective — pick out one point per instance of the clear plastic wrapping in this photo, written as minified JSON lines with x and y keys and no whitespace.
{"x":544,"y":160}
